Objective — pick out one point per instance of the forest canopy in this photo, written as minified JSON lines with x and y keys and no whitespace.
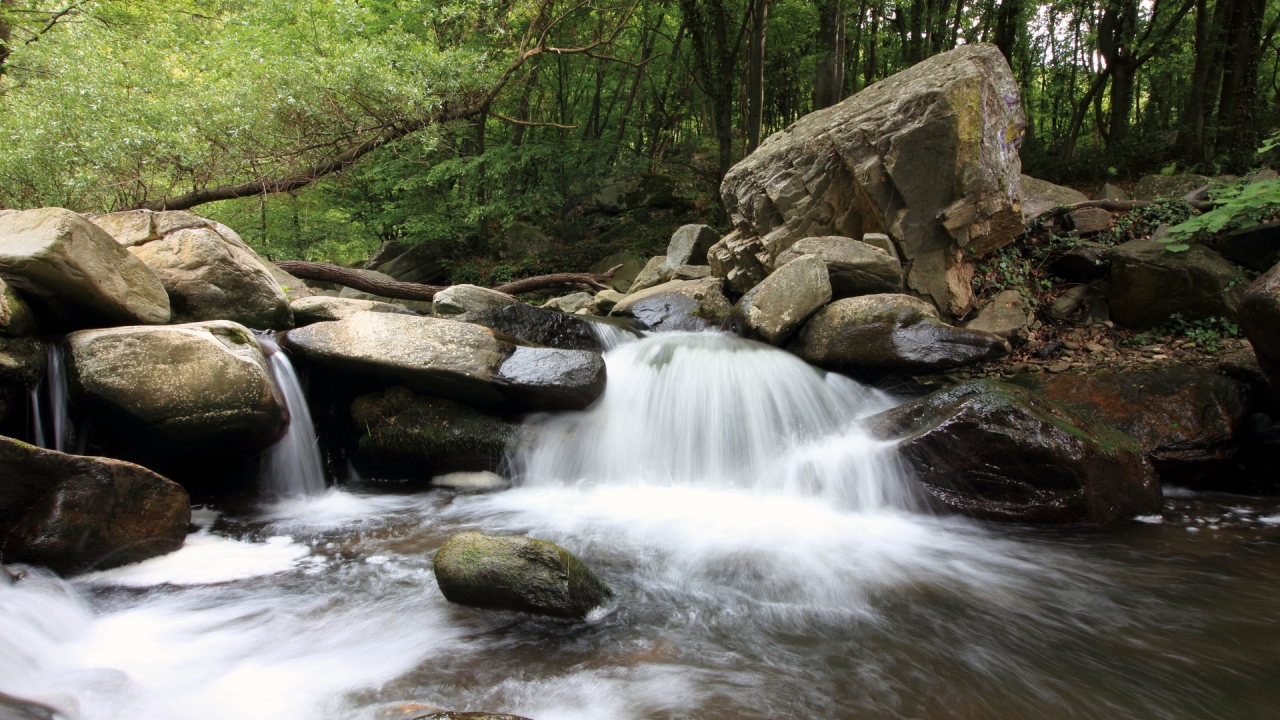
{"x":322,"y":128}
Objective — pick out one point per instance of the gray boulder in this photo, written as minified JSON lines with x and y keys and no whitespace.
{"x":206,"y":381}
{"x":1039,"y":196}
{"x":572,"y":303}
{"x":1148,"y":284}
{"x":455,"y":360}
{"x":1111,"y":192}
{"x":929,"y":155}
{"x":653,"y":274}
{"x":740,"y":260}
{"x":295,"y":288}
{"x":73,"y":513}
{"x":854,"y":267}
{"x":1167,"y":187}
{"x":547,"y":328}
{"x":1006,"y":315}
{"x":605,"y":300}
{"x":676,"y":305}
{"x":1260,"y":320}
{"x":884,"y":242}
{"x":999,"y":452}
{"x":517,"y":573}
{"x":1088,"y":221}
{"x":76,"y":272}
{"x":772,"y":310}
{"x":689,"y":245}
{"x":463,"y":302}
{"x":1257,"y":247}
{"x":386,"y":252}
{"x":319,"y":308}
{"x":691,"y":272}
{"x":891,"y":333}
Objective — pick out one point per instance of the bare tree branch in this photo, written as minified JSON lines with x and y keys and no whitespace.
{"x":530,"y":123}
{"x":329,"y":272}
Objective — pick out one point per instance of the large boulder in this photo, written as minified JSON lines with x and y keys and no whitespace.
{"x":320,"y":308}
{"x":854,"y":267}
{"x":1040,"y":195}
{"x":652,"y":274}
{"x":1257,"y":247}
{"x":455,"y":360}
{"x":16,"y":318}
{"x":740,"y":260}
{"x":1148,"y":284}
{"x":74,"y":513}
{"x":517,"y":573}
{"x":76,"y":273}
{"x":1188,"y":420}
{"x":999,"y":452}
{"x":676,"y":305}
{"x":891,"y":333}
{"x":689,"y":245}
{"x":1260,"y":320}
{"x":294,"y":287}
{"x":209,"y":272}
{"x":464,"y":302}
{"x":425,"y":436}
{"x":205,"y":382}
{"x":772,"y":310}
{"x":929,"y":155}
{"x":1167,"y":187}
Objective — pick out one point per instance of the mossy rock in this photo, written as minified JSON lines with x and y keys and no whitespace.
{"x":399,"y":421}
{"x":517,"y":573}
{"x":999,"y":452}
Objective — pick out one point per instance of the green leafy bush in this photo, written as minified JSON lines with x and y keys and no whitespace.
{"x":1239,"y":205}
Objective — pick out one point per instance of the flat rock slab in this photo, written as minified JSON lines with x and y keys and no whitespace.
{"x":76,"y":273}
{"x":1039,"y":196}
{"x":319,"y":308}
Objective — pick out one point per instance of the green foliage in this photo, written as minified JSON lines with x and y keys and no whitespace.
{"x":1239,"y":205}
{"x":1142,"y":222}
{"x":1009,"y":268}
{"x":1207,"y":334}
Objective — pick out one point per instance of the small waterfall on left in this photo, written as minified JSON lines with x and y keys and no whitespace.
{"x":54,"y":387}
{"x":292,"y":467}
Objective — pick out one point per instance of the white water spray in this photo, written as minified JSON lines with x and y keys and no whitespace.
{"x":54,"y":387}
{"x":292,"y":467}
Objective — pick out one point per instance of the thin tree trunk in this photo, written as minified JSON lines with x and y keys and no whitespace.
{"x":826,"y":80}
{"x":755,"y":72}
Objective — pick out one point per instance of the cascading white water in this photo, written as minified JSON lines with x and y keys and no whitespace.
{"x":292,"y":467}
{"x":54,"y":386}
{"x":712,"y":410}
{"x":610,"y":336}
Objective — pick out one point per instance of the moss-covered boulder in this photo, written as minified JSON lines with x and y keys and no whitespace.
{"x":1188,"y":420}
{"x":999,"y":452}
{"x":398,"y":421}
{"x":517,"y":573}
{"x":73,"y":513}
{"x":15,"y":317}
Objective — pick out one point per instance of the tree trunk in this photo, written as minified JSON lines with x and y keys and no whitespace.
{"x":1007,"y":17}
{"x":873,"y":40}
{"x":416,"y":291}
{"x":1192,"y":118}
{"x":755,"y":72}
{"x":830,"y":52}
{"x":1236,"y":138}
{"x":6,"y":33}
{"x":708,"y":28}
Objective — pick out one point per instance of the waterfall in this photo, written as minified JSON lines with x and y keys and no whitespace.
{"x":610,"y":336}
{"x":713,"y":410}
{"x":292,"y":467}
{"x":53,"y":387}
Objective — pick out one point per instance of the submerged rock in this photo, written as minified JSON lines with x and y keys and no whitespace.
{"x":456,"y":360}
{"x":76,"y":273}
{"x":1149,"y":284}
{"x":772,"y":310}
{"x":929,"y":155}
{"x":517,"y":573}
{"x":998,"y":452}
{"x":891,"y":333}
{"x":676,"y":305}
{"x":205,"y":382}
{"x":74,"y":513}
{"x":1187,"y":419}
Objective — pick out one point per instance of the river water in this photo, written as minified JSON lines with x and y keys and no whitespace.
{"x":768,"y":562}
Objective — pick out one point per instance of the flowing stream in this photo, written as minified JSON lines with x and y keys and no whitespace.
{"x":768,"y":560}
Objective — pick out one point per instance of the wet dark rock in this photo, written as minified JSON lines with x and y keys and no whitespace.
{"x":1149,"y":284}
{"x":677,"y":305}
{"x":998,"y":452}
{"x":1049,"y":350}
{"x":551,"y":378}
{"x":1187,"y":419}
{"x":1260,"y":320}
{"x":1257,"y":247}
{"x":517,"y":573}
{"x":404,"y":433}
{"x":1081,"y":264}
{"x":13,"y":708}
{"x":453,"y":715}
{"x":890,"y":333}
{"x":74,"y":513}
{"x":22,"y":364}
{"x":543,"y":327}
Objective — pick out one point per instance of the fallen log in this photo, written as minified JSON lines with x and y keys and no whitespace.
{"x":1112,"y":205}
{"x":328,"y":272}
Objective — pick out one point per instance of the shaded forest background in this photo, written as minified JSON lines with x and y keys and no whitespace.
{"x":321,"y":129}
